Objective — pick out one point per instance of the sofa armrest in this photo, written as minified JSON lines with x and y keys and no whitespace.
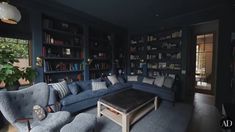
{"x":53,"y":101}
{"x":53,"y":96}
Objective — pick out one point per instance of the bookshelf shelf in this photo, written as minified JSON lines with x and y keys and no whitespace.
{"x":60,"y":45}
{"x":59,"y":58}
{"x":55,"y":72}
{"x":57,"y":31}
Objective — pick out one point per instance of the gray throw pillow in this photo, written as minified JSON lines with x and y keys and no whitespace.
{"x":159,"y":80}
{"x":132,"y":78}
{"x":98,"y":85}
{"x":113,"y":79}
{"x":61,"y":88}
{"x":168,"y":83}
{"x":148,"y":80}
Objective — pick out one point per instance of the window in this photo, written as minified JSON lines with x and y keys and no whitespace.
{"x":21,"y":49}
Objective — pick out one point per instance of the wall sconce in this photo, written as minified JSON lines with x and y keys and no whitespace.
{"x":89,"y":61}
{"x":9,"y":13}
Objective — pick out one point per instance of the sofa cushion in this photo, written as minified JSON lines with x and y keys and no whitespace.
{"x":132,"y":78}
{"x":61,"y":88}
{"x":118,"y":86}
{"x":84,"y":85}
{"x":168,"y":83}
{"x":85,"y":95}
{"x":74,"y":88}
{"x":163,"y":93}
{"x":98,"y":85}
{"x":148,"y":80}
{"x":121,"y":79}
{"x":140,"y":78}
{"x":159,"y":80}
{"x":113,"y":79}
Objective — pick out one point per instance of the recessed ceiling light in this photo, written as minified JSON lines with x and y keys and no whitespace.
{"x":156,"y":15}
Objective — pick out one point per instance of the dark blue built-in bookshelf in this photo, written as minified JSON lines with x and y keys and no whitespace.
{"x":62,"y":49}
{"x":154,"y":54}
{"x":65,"y":47}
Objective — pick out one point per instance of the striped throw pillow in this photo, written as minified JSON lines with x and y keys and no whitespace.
{"x":61,"y":88}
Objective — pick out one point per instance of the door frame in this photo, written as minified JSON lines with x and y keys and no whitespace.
{"x":213,"y":63}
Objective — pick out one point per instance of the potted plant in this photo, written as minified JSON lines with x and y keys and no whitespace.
{"x":10,"y":74}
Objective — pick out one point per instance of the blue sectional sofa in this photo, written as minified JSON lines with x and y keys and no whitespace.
{"x":86,"y":97}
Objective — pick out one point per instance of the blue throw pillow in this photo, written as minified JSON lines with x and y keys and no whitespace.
{"x":74,"y":88}
{"x":84,"y":85}
{"x":121,"y":79}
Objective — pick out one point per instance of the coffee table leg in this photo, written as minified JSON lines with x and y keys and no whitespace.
{"x":125,"y":123}
{"x":155,"y":103}
{"x":98,"y":109}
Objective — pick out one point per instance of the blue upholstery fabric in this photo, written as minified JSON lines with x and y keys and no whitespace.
{"x":88,"y":98}
{"x":19,"y":104}
{"x":83,"y":96}
{"x":121,"y":79}
{"x":84,"y":85}
{"x":162,"y":92}
{"x":83,"y":122}
{"x":74,"y":88}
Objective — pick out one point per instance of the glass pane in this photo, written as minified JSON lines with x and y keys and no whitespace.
{"x":208,"y":47}
{"x":201,"y":48}
{"x":200,"y":39}
{"x":209,"y":38}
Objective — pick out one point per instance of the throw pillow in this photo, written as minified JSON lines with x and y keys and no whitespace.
{"x":132,"y":78}
{"x":148,"y":80}
{"x":98,"y":85}
{"x":39,"y":113}
{"x":121,"y":79}
{"x":61,"y":88}
{"x":113,"y":79}
{"x":168,"y":83}
{"x":74,"y":88}
{"x":159,"y":80}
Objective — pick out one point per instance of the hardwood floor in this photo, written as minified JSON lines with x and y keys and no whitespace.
{"x":205,"y":115}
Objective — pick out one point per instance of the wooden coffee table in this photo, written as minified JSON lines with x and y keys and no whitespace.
{"x":126,"y":107}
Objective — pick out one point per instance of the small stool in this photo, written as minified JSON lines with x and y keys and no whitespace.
{"x":83,"y":122}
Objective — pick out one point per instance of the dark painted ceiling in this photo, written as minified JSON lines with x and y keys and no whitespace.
{"x":136,"y":13}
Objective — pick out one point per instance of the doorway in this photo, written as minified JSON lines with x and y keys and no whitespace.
{"x":203,"y":64}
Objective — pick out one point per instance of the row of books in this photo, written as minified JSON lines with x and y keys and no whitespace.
{"x":161,"y":56}
{"x":164,"y":65}
{"x":49,"y":66}
{"x":155,"y":37}
{"x":100,"y":66}
{"x":135,"y":49}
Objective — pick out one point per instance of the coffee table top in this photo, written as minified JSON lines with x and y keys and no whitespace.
{"x":127,"y":100}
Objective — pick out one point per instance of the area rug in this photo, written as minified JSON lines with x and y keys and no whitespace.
{"x":166,"y":118}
